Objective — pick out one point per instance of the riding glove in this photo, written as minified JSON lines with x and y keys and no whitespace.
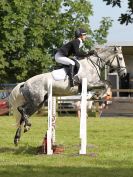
{"x":92,"y":52}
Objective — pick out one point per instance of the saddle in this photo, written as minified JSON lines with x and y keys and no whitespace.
{"x":61,"y":71}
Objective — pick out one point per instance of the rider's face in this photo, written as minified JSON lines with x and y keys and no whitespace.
{"x":83,"y":37}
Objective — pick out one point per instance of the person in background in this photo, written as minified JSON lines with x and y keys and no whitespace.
{"x":103,"y":104}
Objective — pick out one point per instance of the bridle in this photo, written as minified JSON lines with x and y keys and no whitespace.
{"x":118,"y":67}
{"x":106,"y":63}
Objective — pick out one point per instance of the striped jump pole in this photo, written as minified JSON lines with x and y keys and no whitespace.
{"x":53,"y":119}
{"x":49,"y":131}
{"x":83,"y":118}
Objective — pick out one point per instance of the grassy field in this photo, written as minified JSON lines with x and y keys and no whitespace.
{"x":109,"y":151}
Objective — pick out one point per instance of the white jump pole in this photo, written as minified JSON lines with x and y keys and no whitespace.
{"x":83,"y":118}
{"x":49,"y":131}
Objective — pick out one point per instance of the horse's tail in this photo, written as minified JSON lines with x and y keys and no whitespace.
{"x":16,"y":99}
{"x":15,"y":93}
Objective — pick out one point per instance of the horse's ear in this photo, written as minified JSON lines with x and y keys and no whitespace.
{"x":117,"y":48}
{"x":120,"y":48}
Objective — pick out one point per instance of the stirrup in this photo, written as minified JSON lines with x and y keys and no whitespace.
{"x":76,"y":80}
{"x":71,"y":82}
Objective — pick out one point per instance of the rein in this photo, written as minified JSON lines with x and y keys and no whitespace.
{"x":108,"y":63}
{"x":97,"y":63}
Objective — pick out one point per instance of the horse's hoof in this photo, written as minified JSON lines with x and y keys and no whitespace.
{"x":26,"y":129}
{"x":16,"y":141}
{"x":29,"y":124}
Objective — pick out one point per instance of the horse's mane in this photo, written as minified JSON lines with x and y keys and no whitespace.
{"x":105,"y":49}
{"x":111,"y":49}
{"x":106,"y":52}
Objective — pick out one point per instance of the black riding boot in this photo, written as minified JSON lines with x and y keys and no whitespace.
{"x":71,"y":74}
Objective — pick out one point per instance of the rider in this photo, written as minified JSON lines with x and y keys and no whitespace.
{"x":72,"y":48}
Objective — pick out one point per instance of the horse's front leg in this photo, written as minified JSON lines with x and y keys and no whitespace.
{"x":100,"y":87}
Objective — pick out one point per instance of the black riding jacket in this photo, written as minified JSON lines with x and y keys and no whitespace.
{"x":72,"y":48}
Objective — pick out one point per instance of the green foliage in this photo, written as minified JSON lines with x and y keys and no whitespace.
{"x":3,"y":65}
{"x":101,"y":33}
{"x":30,"y":31}
{"x":125,"y":18}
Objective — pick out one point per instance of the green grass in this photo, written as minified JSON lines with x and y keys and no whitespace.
{"x":109,"y":151}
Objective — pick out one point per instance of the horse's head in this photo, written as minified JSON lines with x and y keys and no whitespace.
{"x":116,"y":62}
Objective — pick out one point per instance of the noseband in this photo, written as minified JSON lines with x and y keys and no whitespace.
{"x":118,"y":68}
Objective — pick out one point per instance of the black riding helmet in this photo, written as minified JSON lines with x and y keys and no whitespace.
{"x":79,"y":32}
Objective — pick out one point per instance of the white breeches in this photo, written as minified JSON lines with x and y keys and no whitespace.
{"x":60,"y":58}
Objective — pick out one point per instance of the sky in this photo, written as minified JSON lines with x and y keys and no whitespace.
{"x":117,"y":33}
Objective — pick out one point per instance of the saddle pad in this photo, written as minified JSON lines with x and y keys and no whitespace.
{"x":59,"y":74}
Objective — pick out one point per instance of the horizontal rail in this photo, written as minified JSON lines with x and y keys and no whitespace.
{"x":5,"y":90}
{"x":122,"y":90}
{"x":113,"y":90}
{"x":78,"y":99}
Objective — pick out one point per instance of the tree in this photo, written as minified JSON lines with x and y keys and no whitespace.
{"x":3,"y":65}
{"x":125,"y":18}
{"x":31,"y":31}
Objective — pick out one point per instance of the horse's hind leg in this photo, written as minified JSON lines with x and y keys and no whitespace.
{"x":24,"y":119}
{"x":26,"y":113}
{"x":26,"y":110}
{"x":18,"y":132}
{"x":31,"y":109}
{"x":17,"y":136}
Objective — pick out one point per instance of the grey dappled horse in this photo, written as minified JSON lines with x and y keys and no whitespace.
{"x":34,"y":90}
